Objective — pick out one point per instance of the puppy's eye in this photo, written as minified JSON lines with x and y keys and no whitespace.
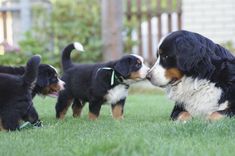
{"x":54,"y":79}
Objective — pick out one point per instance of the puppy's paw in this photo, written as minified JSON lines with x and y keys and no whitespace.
{"x":184,"y":117}
{"x":215,"y":116}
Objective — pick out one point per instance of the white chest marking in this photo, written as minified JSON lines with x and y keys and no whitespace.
{"x":200,"y":97}
{"x":116,"y":94}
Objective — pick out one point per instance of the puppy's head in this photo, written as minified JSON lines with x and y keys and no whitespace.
{"x":182,"y":53}
{"x":48,"y":82}
{"x":131,"y":67}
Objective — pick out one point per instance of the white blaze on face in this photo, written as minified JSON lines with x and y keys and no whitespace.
{"x":53,"y":68}
{"x":61,"y":84}
{"x":143,"y":71}
{"x":157,"y":74}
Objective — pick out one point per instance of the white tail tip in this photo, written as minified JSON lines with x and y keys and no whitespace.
{"x":78,"y":46}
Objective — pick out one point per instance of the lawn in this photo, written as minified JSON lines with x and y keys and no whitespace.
{"x":145,"y":131}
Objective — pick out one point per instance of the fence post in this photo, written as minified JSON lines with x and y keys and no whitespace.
{"x":112,"y":14}
{"x":25,"y":15}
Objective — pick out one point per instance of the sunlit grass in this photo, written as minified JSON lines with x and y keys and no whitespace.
{"x":146,"y":130}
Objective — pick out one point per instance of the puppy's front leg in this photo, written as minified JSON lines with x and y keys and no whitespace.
{"x":179,"y":113}
{"x":94,"y":109}
{"x":32,"y":117}
{"x":117,"y":109}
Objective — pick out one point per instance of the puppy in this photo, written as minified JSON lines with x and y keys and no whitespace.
{"x":198,"y":74}
{"x":97,"y":83}
{"x":47,"y":82}
{"x":16,"y":99}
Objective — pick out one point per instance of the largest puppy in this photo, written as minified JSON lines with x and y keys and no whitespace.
{"x":15,"y":97}
{"x":198,"y":74}
{"x":98,"y":83}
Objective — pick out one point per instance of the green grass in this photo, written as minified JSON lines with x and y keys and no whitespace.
{"x":146,"y":130}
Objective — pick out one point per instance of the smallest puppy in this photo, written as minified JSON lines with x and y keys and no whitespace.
{"x":16,"y":99}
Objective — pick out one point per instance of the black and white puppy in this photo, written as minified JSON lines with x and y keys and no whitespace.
{"x":48,"y":82}
{"x":198,"y":74}
{"x":97,"y":83}
{"x":16,"y":99}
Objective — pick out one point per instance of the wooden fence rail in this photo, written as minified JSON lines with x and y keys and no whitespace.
{"x":145,"y":11}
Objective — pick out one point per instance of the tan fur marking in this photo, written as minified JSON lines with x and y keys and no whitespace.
{"x":184,"y":116}
{"x":1,"y":126}
{"x":77,"y":111}
{"x":215,"y":116}
{"x":51,"y":88}
{"x":62,"y":113}
{"x":92,"y":116}
{"x":117,"y":112}
{"x":135,"y":75}
{"x":139,"y":61}
{"x":173,"y":73}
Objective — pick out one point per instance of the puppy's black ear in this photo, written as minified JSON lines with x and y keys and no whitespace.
{"x":42,"y":81}
{"x":123,"y":67}
{"x":194,"y":54}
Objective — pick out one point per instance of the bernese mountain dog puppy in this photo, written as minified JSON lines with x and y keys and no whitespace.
{"x":97,"y":83}
{"x":198,"y":74}
{"x":16,"y":98}
{"x":48,"y":82}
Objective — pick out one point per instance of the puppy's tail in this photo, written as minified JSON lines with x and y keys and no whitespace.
{"x":31,"y":70}
{"x":66,"y":60}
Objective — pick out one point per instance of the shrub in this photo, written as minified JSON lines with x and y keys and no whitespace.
{"x":55,"y":26}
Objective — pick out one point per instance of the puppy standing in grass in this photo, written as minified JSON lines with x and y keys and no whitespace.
{"x":97,"y":83}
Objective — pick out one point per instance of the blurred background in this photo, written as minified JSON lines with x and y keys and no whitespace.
{"x":108,"y":29}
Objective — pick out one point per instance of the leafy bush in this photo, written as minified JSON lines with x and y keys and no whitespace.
{"x":230,"y":46}
{"x":55,"y":26}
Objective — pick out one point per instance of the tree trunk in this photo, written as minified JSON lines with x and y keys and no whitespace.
{"x":112,"y":14}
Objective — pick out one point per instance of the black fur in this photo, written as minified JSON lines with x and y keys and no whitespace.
{"x":46,"y":77}
{"x":199,"y":57}
{"x":15,"y":96}
{"x":178,"y":108}
{"x":91,"y":82}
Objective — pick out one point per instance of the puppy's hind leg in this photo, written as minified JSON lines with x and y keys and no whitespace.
{"x":62,"y":105}
{"x":229,"y":112}
{"x":10,"y":121}
{"x":77,"y":107}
